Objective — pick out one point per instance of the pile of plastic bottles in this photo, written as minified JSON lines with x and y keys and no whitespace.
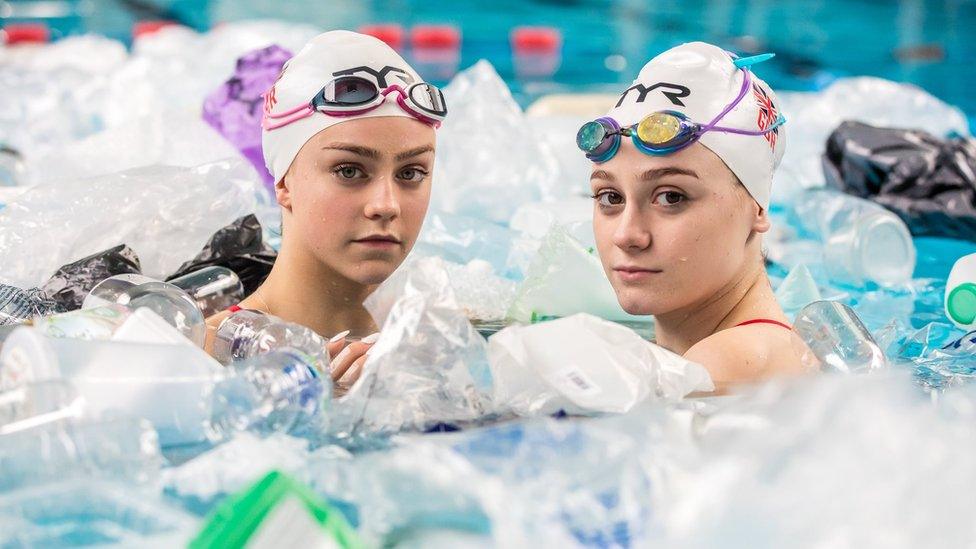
{"x":490,"y":412}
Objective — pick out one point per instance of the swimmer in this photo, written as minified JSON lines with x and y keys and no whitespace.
{"x":681,"y":177}
{"x":348,"y":134}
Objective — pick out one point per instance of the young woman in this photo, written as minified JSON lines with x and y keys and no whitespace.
{"x":348,"y":134}
{"x":683,"y":165}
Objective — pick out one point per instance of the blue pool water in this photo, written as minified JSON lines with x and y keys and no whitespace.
{"x":925,"y":42}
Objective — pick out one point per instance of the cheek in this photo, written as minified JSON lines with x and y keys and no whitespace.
{"x":413,"y":209}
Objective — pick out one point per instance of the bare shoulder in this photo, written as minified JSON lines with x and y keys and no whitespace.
{"x":746,"y":354}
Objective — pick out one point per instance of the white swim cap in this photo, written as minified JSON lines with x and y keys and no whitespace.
{"x":700,"y":80}
{"x":325,"y":57}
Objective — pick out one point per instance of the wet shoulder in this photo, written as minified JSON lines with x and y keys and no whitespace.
{"x":746,"y":354}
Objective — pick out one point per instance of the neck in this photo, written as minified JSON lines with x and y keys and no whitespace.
{"x":303,"y":290}
{"x":748,"y":296}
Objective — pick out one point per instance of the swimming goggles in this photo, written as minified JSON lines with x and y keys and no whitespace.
{"x":664,"y":132}
{"x":354,"y":95}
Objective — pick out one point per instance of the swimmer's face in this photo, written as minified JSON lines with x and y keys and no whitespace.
{"x":356,"y":195}
{"x":672,"y":231}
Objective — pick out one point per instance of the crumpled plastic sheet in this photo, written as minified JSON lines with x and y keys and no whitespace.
{"x":552,"y":285}
{"x":584,"y":365}
{"x":553,"y":483}
{"x":812,"y":116}
{"x":461,"y":239}
{"x":234,"y":465}
{"x":85,"y":512}
{"x":429,"y":366}
{"x":235,"y":108}
{"x":57,"y":93}
{"x":72,"y":283}
{"x":470,"y":178}
{"x":241,"y":248}
{"x":839,"y":461}
{"x":165,"y":214}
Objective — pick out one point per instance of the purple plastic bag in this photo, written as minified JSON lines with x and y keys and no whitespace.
{"x":235,"y":108}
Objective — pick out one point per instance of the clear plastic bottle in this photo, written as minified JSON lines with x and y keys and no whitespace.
{"x":13,"y":170}
{"x":121,"y":448}
{"x":168,"y":301}
{"x":30,"y":404}
{"x":862,"y":240}
{"x":246,"y":334}
{"x":838,"y":338}
{"x":214,"y":288}
{"x":187,"y":396}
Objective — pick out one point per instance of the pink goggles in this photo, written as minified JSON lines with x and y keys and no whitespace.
{"x":353,"y":95}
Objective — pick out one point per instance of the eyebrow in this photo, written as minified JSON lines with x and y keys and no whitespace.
{"x":354,"y":149}
{"x":414,"y":152}
{"x":659,"y":173}
{"x":601,"y":174}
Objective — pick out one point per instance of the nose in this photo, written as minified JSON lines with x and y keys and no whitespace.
{"x":383,"y":204}
{"x":631,"y":234}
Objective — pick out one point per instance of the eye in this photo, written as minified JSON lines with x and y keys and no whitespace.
{"x":349,"y":172}
{"x":608,"y":199}
{"x":413,"y":174}
{"x":669,"y":198}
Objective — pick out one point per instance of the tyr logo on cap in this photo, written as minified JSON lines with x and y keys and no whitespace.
{"x":380,"y":75}
{"x":674,"y":92}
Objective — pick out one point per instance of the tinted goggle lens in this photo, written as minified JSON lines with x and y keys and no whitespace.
{"x":661,"y":128}
{"x":349,"y":91}
{"x":592,"y":138}
{"x":429,"y":98}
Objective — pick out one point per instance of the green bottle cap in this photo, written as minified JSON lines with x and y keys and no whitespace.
{"x":276,"y":511}
{"x":961,"y":305}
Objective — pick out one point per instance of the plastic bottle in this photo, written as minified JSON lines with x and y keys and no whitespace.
{"x":187,"y":396}
{"x":13,"y":171}
{"x":960,"y":294}
{"x":168,"y":301}
{"x":115,"y":447}
{"x":213,"y":288}
{"x":246,"y":334}
{"x":28,"y":405}
{"x":838,"y":338}
{"x":862,"y":240}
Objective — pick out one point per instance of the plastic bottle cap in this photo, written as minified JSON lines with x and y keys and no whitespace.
{"x":536,"y":40}
{"x":961,"y":304}
{"x":145,"y":28}
{"x":435,"y":37}
{"x":390,"y":33}
{"x":26,"y":33}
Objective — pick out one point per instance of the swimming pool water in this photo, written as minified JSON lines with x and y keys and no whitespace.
{"x":925,"y":42}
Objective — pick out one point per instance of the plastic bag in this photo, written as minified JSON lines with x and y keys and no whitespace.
{"x":929,"y":182}
{"x":71,"y":283}
{"x":583,"y":365}
{"x":240,"y":248}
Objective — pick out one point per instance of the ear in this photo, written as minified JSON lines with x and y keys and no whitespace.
{"x":283,"y":192}
{"x":760,"y":222}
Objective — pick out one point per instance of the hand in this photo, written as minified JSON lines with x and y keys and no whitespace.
{"x":348,"y":363}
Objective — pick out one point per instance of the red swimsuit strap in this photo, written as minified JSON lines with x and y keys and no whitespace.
{"x":764,"y":321}
{"x":234,"y":308}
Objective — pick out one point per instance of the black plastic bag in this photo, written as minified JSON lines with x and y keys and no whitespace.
{"x":929,"y":182}
{"x":240,"y":247}
{"x":71,"y":283}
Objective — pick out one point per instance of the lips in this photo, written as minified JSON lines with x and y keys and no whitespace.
{"x":379,"y":240}
{"x":627,"y":273}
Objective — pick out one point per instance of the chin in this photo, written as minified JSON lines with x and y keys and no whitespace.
{"x":636,"y":302}
{"x":369,"y":273}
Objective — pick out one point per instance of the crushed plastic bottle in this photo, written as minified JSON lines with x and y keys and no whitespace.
{"x":837,"y":338}
{"x":187,"y":396}
{"x":248,"y":334}
{"x":167,"y":300}
{"x":862,"y":241}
